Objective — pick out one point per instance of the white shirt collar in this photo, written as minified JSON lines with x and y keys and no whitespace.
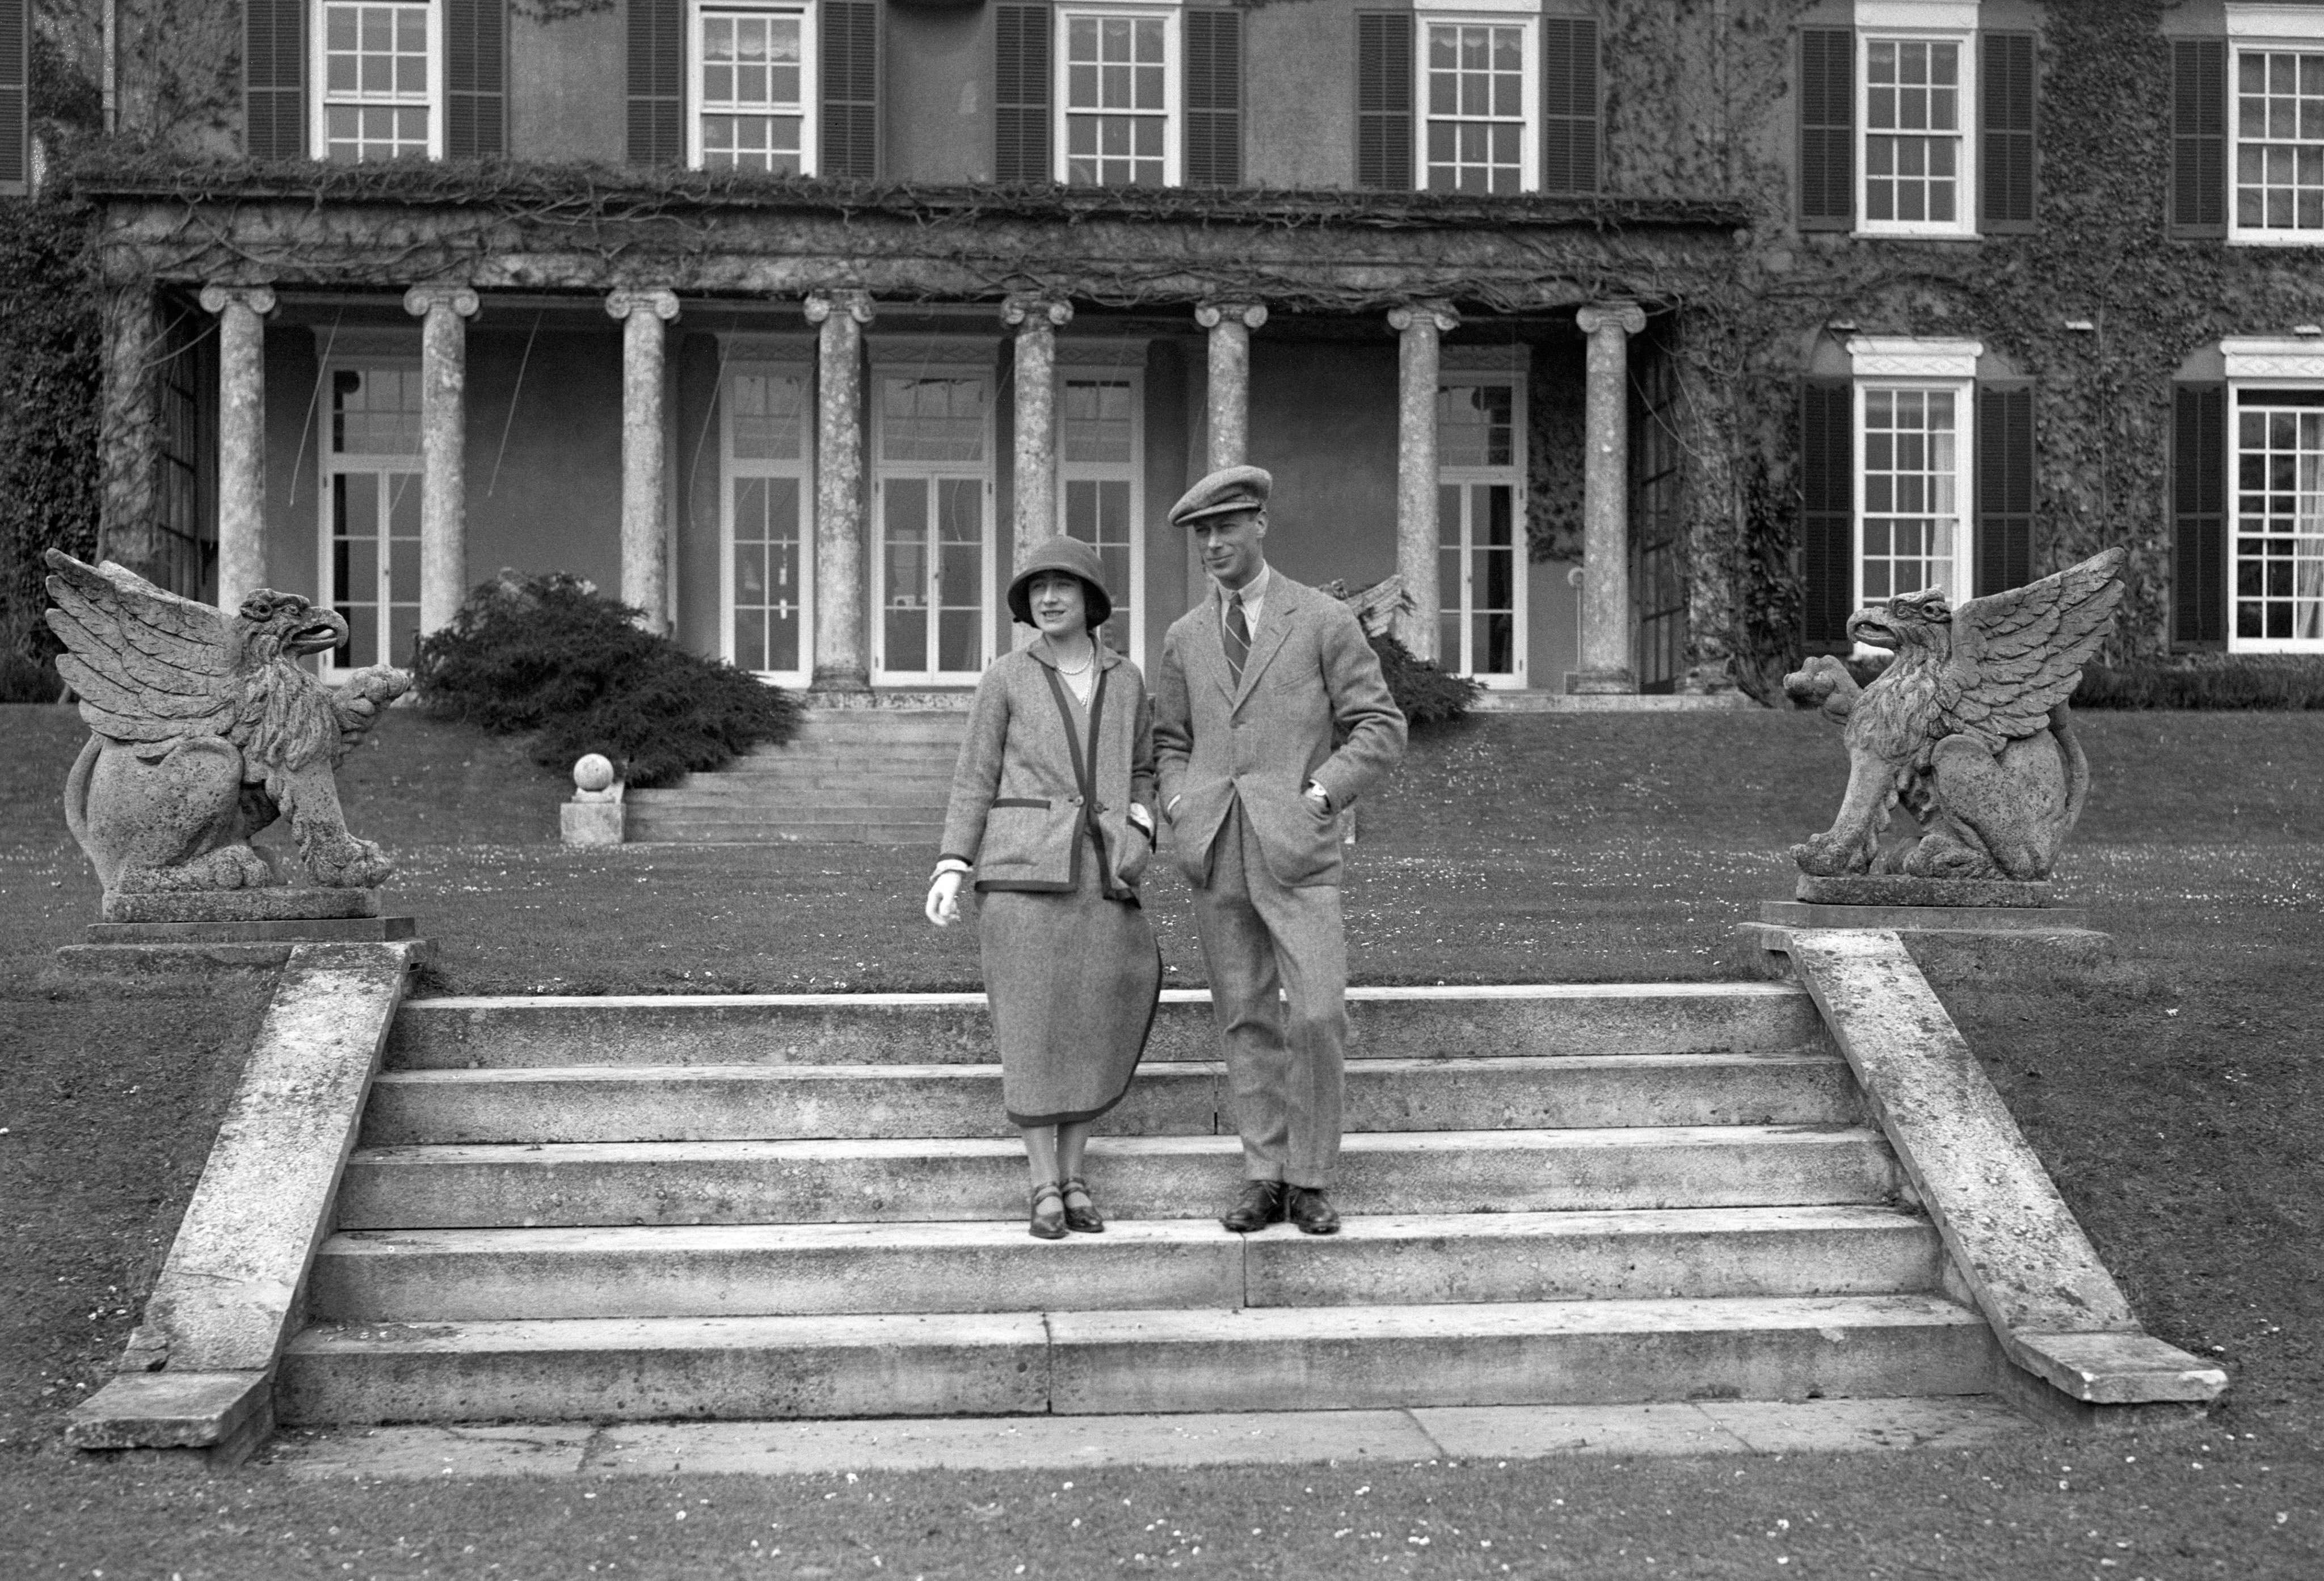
{"x":1253,"y":592}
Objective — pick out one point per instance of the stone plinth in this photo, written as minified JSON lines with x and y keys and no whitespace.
{"x":353,"y":929}
{"x":593,"y":822}
{"x":1798,"y":914}
{"x":1899,"y":889}
{"x":241,"y":905}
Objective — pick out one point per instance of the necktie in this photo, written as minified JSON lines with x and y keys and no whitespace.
{"x":1238,"y":638}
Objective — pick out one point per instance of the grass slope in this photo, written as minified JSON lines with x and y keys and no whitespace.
{"x":2180,"y":1118}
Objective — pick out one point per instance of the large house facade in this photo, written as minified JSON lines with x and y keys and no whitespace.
{"x":1642,"y":339}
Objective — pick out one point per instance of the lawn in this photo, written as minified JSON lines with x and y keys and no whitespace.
{"x":2181,"y":1113}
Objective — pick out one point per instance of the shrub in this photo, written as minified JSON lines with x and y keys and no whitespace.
{"x":2243,"y":681}
{"x":548,"y":655}
{"x":23,"y":679}
{"x":1428,"y":695}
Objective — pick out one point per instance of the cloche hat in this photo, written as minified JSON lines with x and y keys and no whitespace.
{"x":1076,"y":558}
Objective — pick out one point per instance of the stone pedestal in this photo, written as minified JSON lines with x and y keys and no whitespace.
{"x":144,"y":929}
{"x":1899,"y":889}
{"x":602,"y":822}
{"x":273,"y":905}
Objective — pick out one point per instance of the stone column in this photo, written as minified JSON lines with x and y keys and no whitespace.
{"x":1034,"y":476}
{"x":645,"y":538}
{"x":840,"y":537}
{"x":443,"y":310}
{"x":1230,"y":323}
{"x":242,"y":437}
{"x":1417,"y":326}
{"x":128,"y":438}
{"x":1605,"y":499}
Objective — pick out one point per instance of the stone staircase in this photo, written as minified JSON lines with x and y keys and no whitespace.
{"x":811,"y":1205}
{"x":876,"y":775}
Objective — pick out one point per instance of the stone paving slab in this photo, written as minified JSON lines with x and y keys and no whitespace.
{"x":1036,"y":1443}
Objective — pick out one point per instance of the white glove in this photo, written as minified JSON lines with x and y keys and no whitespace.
{"x":943,"y":897}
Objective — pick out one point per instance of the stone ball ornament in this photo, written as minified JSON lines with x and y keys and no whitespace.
{"x":1968,"y":728}
{"x":592,"y":772}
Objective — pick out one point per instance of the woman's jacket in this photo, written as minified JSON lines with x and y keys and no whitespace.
{"x":1022,"y":796}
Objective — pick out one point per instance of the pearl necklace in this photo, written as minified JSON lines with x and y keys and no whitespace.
{"x":1061,"y":663}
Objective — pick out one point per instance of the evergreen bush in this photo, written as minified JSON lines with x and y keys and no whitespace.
{"x":2243,"y":681}
{"x":1427,"y":695}
{"x":548,"y":655}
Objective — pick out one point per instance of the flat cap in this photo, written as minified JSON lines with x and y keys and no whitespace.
{"x":1231,"y":488}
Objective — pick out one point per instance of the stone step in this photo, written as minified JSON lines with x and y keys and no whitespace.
{"x":811,"y":784}
{"x":697,"y":1103}
{"x":830,"y":1029}
{"x":682,"y":828}
{"x":889,"y":1180}
{"x":882,"y":727}
{"x":463,"y":1275}
{"x":1085,"y":1363}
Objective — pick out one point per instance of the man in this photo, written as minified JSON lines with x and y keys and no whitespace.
{"x":1258,"y":682}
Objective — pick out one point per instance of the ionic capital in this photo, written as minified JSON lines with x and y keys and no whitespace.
{"x":259,"y":299}
{"x":1027,"y":307}
{"x":662,"y":304}
{"x":1211,"y":315}
{"x":857,"y":305}
{"x":1442,"y":315}
{"x":420,"y":299}
{"x":1626,"y":316}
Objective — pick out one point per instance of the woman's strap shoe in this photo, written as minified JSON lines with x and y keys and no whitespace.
{"x":1049,"y":1225}
{"x":1085,"y":1220}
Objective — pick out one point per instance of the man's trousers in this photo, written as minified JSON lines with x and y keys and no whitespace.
{"x":1284,"y":1055}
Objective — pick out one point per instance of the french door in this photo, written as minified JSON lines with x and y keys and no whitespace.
{"x":371,"y":512}
{"x":932,"y":564}
{"x":766,"y":518}
{"x":1480,"y":580}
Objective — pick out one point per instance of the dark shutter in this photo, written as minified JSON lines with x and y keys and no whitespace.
{"x":2199,"y":137}
{"x":1020,"y":94}
{"x":1827,"y":129}
{"x":1384,"y":100}
{"x":274,"y":79}
{"x":2006,"y":174}
{"x":2004,"y":487}
{"x":476,"y":78}
{"x":16,"y":80}
{"x":850,"y":131}
{"x":2199,"y":516}
{"x":1827,"y":516}
{"x":1569,"y":104}
{"x":1214,"y":97}
{"x":657,"y":82}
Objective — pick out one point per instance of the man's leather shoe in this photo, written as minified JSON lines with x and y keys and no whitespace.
{"x":1308,"y":1209}
{"x":1260,"y":1204}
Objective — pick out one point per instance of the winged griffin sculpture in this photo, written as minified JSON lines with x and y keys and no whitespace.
{"x":204,"y":729}
{"x":1968,"y":728}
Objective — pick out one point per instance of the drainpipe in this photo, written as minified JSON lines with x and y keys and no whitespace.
{"x":110,"y":72}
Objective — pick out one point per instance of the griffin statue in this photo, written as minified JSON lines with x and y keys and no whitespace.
{"x":204,"y":729}
{"x":1968,"y":727}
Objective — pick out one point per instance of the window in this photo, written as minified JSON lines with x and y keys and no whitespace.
{"x":1912,"y":411}
{"x":1100,"y":464}
{"x":932,"y":569}
{"x":1480,"y":510}
{"x":1117,"y":93}
{"x":380,"y":65}
{"x":769,"y":560}
{"x":1916,"y":175}
{"x":2279,"y":145}
{"x":2278,"y":504}
{"x":753,"y":82}
{"x":371,"y":510}
{"x":1478,"y":104}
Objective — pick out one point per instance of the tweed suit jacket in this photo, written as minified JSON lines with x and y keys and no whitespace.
{"x":1019,"y":798}
{"x":1313,"y":706}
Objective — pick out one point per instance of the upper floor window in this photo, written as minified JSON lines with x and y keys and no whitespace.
{"x":1916,"y":174}
{"x":753,"y":82}
{"x":1117,"y":97}
{"x":380,"y":65}
{"x":2279,"y":158}
{"x":1480,"y":105}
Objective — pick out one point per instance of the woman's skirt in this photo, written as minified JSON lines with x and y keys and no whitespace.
{"x":1073,"y":981}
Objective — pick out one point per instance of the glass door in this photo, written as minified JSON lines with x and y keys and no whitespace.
{"x":1100,"y":463}
{"x":932,"y":567}
{"x":769,"y":560}
{"x":371,"y":512}
{"x":1480,"y":566}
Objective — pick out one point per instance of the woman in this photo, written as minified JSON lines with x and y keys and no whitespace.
{"x":1052,"y":812}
